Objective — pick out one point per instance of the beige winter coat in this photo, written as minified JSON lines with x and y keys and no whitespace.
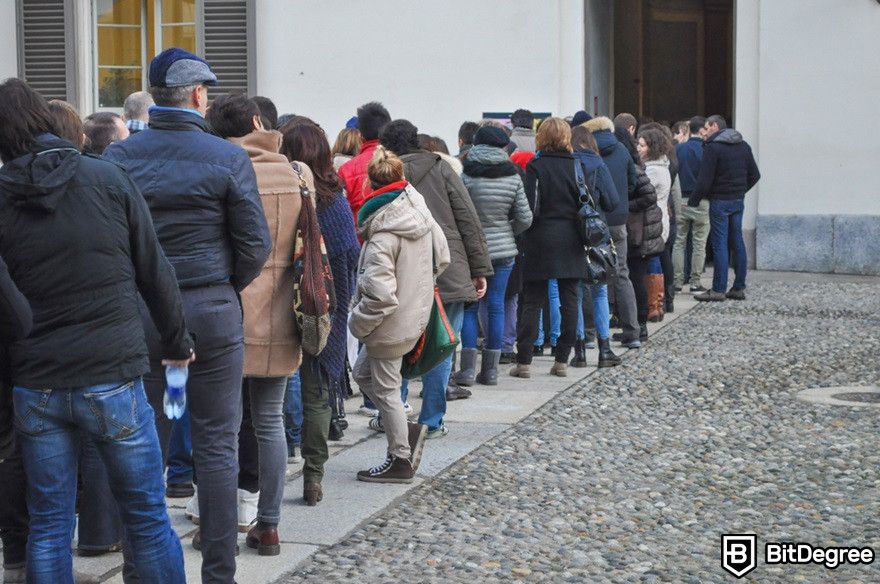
{"x":395,"y":288}
{"x":271,"y":342}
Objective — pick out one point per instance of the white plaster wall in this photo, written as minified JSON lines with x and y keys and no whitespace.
{"x":8,"y":40}
{"x":815,"y":112}
{"x":435,"y":63}
{"x":746,"y":84}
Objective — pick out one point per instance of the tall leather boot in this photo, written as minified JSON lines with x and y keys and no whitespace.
{"x":580,"y":357}
{"x":607,"y":358}
{"x":489,"y":367}
{"x":465,"y":376}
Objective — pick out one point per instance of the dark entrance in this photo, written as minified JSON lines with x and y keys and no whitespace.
{"x":673,"y":58}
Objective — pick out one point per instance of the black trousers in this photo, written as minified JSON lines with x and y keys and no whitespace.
{"x":638,"y":269}
{"x":532,"y":301}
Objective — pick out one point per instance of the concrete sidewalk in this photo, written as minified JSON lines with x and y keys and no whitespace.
{"x":347,"y":502}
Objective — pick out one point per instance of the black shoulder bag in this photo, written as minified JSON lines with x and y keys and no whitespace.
{"x":594,"y":233}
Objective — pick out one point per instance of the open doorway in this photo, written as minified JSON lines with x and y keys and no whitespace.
{"x":673,"y":58}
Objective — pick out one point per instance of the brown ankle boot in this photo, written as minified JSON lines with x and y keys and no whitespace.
{"x":312,"y":493}
{"x":264,"y":538}
{"x":393,"y":470}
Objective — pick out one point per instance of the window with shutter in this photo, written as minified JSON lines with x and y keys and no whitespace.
{"x":44,"y":50}
{"x":226,"y":34}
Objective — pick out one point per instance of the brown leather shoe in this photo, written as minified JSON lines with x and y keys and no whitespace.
{"x":197,"y":542}
{"x":417,"y":435}
{"x":264,"y":539}
{"x":312,"y":493}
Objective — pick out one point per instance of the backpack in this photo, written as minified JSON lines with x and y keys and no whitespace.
{"x":314,"y":296}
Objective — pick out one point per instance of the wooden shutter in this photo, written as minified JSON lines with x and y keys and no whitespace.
{"x":227,"y":32}
{"x":44,"y":49}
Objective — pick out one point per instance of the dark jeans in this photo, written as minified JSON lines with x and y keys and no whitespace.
{"x":99,"y":523}
{"x":213,"y":393}
{"x":533,"y":298}
{"x":726,"y":219}
{"x":315,"y":392}
{"x":13,"y":510}
{"x":248,"y":448}
{"x":180,"y":470}
{"x":638,"y":269}
{"x":119,"y":420}
{"x":668,"y":270}
{"x":293,"y":409}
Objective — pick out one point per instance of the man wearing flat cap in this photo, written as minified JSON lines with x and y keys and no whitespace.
{"x":202,"y":194}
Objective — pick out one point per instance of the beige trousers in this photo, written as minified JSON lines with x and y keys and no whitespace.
{"x":379,"y":380}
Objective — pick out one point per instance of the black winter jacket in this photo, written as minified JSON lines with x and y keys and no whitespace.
{"x":202,"y":194}
{"x":644,"y":228}
{"x":80,"y":244}
{"x":728,"y":169}
{"x":552,"y":247}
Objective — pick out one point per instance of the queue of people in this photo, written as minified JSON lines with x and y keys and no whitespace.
{"x":167,"y":237}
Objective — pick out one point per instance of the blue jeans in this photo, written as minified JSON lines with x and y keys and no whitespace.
{"x":726,"y":219}
{"x":435,"y":381}
{"x":555,"y":308}
{"x":601,"y":310}
{"x":293,"y":411}
{"x":180,"y":464}
{"x":121,"y":423}
{"x":494,"y":301}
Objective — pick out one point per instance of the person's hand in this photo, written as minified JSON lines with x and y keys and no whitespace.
{"x":481,"y":286}
{"x":179,"y":362}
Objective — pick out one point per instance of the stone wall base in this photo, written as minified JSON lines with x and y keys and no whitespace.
{"x":839,"y":244}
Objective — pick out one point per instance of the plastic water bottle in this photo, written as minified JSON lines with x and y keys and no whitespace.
{"x":175,"y":391}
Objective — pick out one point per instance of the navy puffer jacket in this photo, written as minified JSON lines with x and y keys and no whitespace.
{"x":622,"y":168}
{"x":202,"y":194}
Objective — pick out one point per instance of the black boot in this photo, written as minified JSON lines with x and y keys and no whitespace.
{"x":607,"y":358}
{"x":643,"y":332}
{"x":336,"y":432}
{"x":580,"y":358}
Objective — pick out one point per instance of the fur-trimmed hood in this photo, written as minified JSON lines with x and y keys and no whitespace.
{"x":599,"y":124}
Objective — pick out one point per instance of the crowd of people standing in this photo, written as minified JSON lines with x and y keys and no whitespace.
{"x":165,"y":238}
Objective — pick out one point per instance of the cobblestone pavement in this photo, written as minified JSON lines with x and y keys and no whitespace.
{"x":633,"y":475}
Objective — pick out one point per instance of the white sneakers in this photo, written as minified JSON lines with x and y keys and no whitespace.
{"x":247,"y":509}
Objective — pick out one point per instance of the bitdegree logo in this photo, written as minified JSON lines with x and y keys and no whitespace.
{"x":804,"y":553}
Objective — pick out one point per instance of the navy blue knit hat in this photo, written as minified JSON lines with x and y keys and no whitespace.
{"x":579,"y":118}
{"x":491,"y":136}
{"x":178,"y":68}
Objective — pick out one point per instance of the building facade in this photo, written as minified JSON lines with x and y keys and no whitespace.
{"x":797,"y":77}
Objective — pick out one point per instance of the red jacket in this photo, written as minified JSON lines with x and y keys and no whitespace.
{"x":354,"y":175}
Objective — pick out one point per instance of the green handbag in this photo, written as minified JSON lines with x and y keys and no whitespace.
{"x":437,"y":342}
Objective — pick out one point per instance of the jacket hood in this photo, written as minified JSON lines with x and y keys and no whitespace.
{"x":520,"y":131}
{"x":489,"y":162}
{"x":419,"y":164}
{"x":262,"y":145}
{"x":38,"y":180}
{"x":728,"y":136}
{"x":488,"y":154}
{"x":406,"y":216}
{"x":606,"y":141}
{"x":599,"y":124}
{"x":662,"y":161}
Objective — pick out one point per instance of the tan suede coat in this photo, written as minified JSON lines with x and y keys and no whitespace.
{"x":271,"y":342}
